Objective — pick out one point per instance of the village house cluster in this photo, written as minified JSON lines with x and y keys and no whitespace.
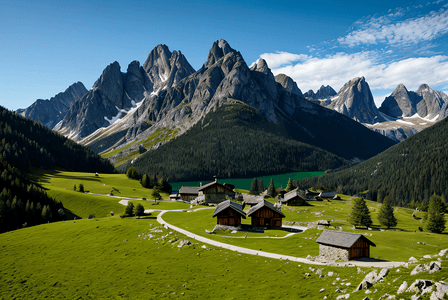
{"x":333,"y":245}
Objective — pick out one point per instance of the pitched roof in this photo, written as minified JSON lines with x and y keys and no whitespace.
{"x":233,"y":205}
{"x":263,"y":204}
{"x":341,"y":238}
{"x":210,"y":184}
{"x":293,"y":194}
{"x":327,"y":194}
{"x":189,"y":190}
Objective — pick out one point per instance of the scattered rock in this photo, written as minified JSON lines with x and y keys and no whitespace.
{"x":319,"y":271}
{"x":443,"y":252}
{"x":383,"y":273}
{"x":435,"y":266}
{"x":427,"y":256}
{"x":412,"y":260}
{"x":330,"y":273}
{"x":419,"y":285}
{"x":418,"y":269}
{"x":406,"y":265}
{"x":346,"y":296}
{"x":402,"y":288}
{"x":364,"y":285}
{"x":321,"y":290}
{"x":441,"y":290}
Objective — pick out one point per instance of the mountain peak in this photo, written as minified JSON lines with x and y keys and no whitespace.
{"x":424,"y":87}
{"x":261,"y":66}
{"x":219,"y":49}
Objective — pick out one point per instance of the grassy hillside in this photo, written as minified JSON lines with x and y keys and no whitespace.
{"x":60,"y":186}
{"x":234,"y":142}
{"x":410,"y":171}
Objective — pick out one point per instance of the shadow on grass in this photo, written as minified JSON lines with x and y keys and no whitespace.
{"x":69,"y":215}
{"x":370,"y":259}
{"x":147,"y":217}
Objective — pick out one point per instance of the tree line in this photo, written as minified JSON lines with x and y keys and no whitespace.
{"x":24,"y":144}
{"x":234,"y":141}
{"x":407,"y":174}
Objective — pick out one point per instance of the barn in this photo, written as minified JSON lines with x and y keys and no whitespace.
{"x":339,"y":245}
{"x":294,"y":198}
{"x":264,"y":214}
{"x":229,"y":213}
{"x":188,"y":193}
{"x":214,"y":192}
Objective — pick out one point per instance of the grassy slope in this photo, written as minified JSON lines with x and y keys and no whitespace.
{"x":395,"y":245}
{"x":60,"y":186}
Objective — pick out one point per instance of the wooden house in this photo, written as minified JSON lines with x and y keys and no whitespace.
{"x":214,"y":192}
{"x":264,"y":214}
{"x":229,"y":213}
{"x":294,"y":198}
{"x":188,"y":193}
{"x":339,"y":245}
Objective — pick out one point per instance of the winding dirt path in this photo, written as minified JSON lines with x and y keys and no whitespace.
{"x":360,"y":263}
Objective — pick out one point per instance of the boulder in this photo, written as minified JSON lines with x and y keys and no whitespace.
{"x":441,"y":290}
{"x":346,"y":296}
{"x":435,"y":266}
{"x":383,"y":273}
{"x":443,"y":252}
{"x":412,"y":260}
{"x":402,"y":287}
{"x":427,"y":256}
{"x":420,"y":285}
{"x":418,"y":269}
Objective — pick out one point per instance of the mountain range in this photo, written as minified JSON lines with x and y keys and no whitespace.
{"x":125,"y":114}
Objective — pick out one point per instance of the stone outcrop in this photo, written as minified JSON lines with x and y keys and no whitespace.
{"x":432,"y":267}
{"x":51,"y":112}
{"x":324,"y":92}
{"x":288,"y":84}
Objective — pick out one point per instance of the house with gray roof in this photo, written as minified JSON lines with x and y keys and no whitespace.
{"x":294,"y":198}
{"x":229,"y":213}
{"x":265,"y":214}
{"x":214,"y":192}
{"x":327,"y":195}
{"x":188,"y":193}
{"x":339,"y":245}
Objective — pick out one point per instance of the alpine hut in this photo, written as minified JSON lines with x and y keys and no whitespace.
{"x":229,"y":213}
{"x":265,"y":214}
{"x":339,"y":245}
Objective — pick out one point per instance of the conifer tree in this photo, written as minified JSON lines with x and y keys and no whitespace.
{"x":254,"y":187}
{"x":81,"y":188}
{"x":139,"y":210}
{"x":156,"y":193}
{"x":386,"y":215}
{"x":436,"y":214}
{"x":289,"y":186}
{"x":360,"y":214}
{"x":129,"y":210}
{"x":271,"y":189}
{"x":145,"y":181}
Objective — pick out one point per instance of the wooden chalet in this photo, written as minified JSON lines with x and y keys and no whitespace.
{"x":339,"y":245}
{"x":280,"y":191}
{"x":229,"y":213}
{"x":214,"y":192}
{"x":327,"y":195}
{"x":264,"y":214}
{"x":188,"y":193}
{"x":294,"y":198}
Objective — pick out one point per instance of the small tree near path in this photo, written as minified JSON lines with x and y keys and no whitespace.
{"x":386,"y":215}
{"x":129,"y":210}
{"x":360,"y":215}
{"x":139,"y":210}
{"x":436,"y":214}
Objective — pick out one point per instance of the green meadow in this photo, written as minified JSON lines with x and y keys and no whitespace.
{"x":244,"y":183}
{"x":136,"y":258}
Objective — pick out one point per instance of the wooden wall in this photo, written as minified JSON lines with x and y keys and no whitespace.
{"x":229,"y":217}
{"x":359,"y":249}
{"x":266,"y":217}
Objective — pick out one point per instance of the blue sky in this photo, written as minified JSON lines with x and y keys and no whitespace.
{"x":49,"y":45}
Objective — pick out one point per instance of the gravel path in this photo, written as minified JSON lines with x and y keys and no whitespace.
{"x":360,"y":263}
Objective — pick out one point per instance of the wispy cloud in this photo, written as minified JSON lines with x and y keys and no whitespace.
{"x":281,"y":58}
{"x":387,"y":29}
{"x":337,"y":69}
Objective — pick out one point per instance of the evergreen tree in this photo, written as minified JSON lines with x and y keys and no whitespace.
{"x":386,"y":215}
{"x":156,"y":193}
{"x":271,"y":189}
{"x":129,"y":210}
{"x":139,"y":210}
{"x":132,"y":173}
{"x":289,"y":186}
{"x":145,"y":181}
{"x":46,"y":213}
{"x":260,"y":186}
{"x":254,"y":187}
{"x":436,"y":214}
{"x":360,"y":215}
{"x":81,"y":188}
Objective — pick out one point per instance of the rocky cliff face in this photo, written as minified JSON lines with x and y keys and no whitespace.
{"x":324,"y":92}
{"x":355,"y":100}
{"x":50,"y":112}
{"x":288,"y":84}
{"x":425,"y":102}
{"x":115,"y":94}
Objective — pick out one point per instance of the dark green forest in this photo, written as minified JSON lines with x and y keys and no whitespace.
{"x":233,"y":141}
{"x":407,"y":173}
{"x":25,"y":144}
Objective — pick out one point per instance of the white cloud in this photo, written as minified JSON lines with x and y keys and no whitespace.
{"x":400,"y":33}
{"x":281,"y":58}
{"x":336,"y":70}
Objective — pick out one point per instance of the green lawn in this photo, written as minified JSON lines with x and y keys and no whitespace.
{"x":396,"y":244}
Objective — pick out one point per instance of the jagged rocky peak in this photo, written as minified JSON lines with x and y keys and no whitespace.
{"x":355,"y":100}
{"x":398,"y":104}
{"x":325,"y":92}
{"x":111,"y":83}
{"x":288,"y":84}
{"x":50,"y":112}
{"x":219,"y":49}
{"x":165,"y":68}
{"x":136,"y":85}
